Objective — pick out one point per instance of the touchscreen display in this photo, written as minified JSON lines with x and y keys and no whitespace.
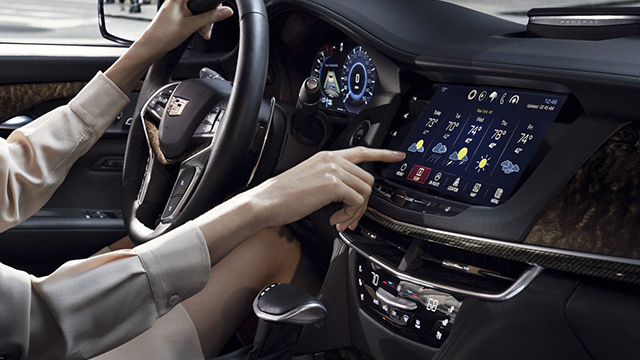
{"x":473,"y":144}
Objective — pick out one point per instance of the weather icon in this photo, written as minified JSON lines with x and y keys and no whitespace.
{"x":482,"y":163}
{"x":417,"y":147}
{"x":459,"y":156}
{"x":508,"y":167}
{"x":439,"y":149}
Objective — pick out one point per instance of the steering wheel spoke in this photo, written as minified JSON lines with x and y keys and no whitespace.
{"x":204,"y":137}
{"x":191,"y":171}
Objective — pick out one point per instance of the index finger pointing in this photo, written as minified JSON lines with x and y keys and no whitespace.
{"x":360,"y":154}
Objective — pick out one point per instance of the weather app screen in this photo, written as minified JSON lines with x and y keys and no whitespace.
{"x":473,"y":144}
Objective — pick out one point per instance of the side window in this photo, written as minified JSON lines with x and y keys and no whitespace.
{"x":71,"y":21}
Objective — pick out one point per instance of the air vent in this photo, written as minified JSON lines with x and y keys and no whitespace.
{"x":435,"y":263}
{"x":464,"y":269}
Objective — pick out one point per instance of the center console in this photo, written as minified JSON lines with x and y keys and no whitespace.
{"x":447,"y":225}
{"x":469,"y":150}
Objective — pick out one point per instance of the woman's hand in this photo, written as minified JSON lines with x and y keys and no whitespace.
{"x":323,"y":179}
{"x":174,"y":23}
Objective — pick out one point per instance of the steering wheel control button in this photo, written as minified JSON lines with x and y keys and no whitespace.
{"x":183,"y":182}
{"x":158,"y":109}
{"x":204,"y":128}
{"x":171,"y":206}
{"x":209,"y":118}
{"x":214,"y":114}
{"x":174,"y":300}
{"x":360,"y":133}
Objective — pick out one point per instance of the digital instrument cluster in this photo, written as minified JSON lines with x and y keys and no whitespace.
{"x":473,"y":144}
{"x":347,"y":75}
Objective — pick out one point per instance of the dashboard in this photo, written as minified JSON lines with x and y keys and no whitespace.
{"x":519,"y":154}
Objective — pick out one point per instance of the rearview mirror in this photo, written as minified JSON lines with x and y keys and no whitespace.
{"x":123,"y":21}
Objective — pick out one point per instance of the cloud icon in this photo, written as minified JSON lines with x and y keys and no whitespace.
{"x":508,"y":167}
{"x":439,"y":149}
{"x":461,"y":156}
{"x":417,"y":147}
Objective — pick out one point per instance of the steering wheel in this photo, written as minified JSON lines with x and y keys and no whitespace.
{"x":192,"y":143}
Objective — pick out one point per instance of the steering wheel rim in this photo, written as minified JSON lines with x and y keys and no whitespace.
{"x":222,"y":174}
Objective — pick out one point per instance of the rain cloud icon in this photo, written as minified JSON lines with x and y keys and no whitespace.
{"x":439,"y":149}
{"x":508,"y":167}
{"x":459,"y":156}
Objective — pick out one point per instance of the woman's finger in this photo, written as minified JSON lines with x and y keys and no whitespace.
{"x":360,"y":154}
{"x":218,"y":14}
{"x":205,"y":31}
{"x":352,"y":200}
{"x":356,"y":171}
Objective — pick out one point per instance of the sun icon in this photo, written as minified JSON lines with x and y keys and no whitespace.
{"x":482,"y":163}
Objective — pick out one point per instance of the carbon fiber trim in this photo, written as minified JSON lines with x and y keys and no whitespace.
{"x":583,"y":264}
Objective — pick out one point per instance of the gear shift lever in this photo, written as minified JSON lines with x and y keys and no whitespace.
{"x":283,"y":310}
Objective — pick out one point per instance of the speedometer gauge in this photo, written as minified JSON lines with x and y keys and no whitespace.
{"x":358,"y":80}
{"x":347,"y":76}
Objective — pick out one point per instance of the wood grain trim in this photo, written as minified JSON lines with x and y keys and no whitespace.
{"x":19,"y":97}
{"x":598,"y":211}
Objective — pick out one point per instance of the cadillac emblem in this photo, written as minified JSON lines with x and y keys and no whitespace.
{"x":177,"y":105}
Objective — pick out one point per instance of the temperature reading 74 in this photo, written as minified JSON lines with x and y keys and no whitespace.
{"x":524,"y":137}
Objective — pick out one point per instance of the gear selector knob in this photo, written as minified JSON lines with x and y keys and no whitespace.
{"x":286,"y":304}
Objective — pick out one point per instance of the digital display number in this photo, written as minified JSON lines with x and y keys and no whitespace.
{"x":432,"y":305}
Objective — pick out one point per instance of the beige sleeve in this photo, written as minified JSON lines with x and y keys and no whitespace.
{"x":35,"y":159}
{"x":90,"y":306}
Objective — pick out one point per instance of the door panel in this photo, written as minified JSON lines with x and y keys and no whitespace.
{"x":84,"y":213}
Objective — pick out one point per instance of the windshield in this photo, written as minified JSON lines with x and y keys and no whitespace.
{"x":516,"y":10}
{"x":75,"y":21}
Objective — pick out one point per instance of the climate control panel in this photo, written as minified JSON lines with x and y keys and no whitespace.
{"x":413,"y":311}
